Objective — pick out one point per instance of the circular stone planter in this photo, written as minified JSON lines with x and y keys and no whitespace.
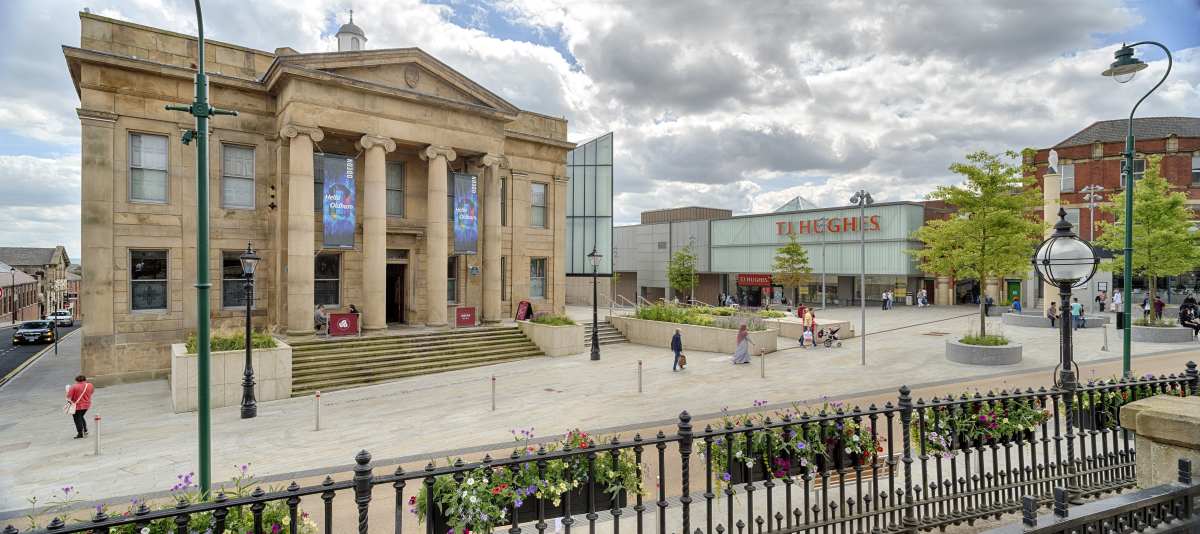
{"x":1040,"y":321}
{"x":982,"y":355}
{"x":1162,"y":334}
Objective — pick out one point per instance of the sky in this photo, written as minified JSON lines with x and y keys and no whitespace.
{"x":740,"y":107}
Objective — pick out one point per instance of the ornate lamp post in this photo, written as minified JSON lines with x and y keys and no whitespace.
{"x":862,"y":199}
{"x":249,"y":404}
{"x":1066,"y":261}
{"x":1122,"y":70}
{"x":595,"y":257}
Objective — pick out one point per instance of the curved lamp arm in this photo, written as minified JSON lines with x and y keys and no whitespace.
{"x":1170,"y":62}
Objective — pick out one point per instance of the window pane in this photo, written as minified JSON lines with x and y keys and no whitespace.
{"x":1196,"y":169}
{"x":604,"y":191}
{"x":148,"y":279}
{"x":1067,"y":173}
{"x":327,"y":283}
{"x":395,"y":189}
{"x":604,"y":150}
{"x":325,"y":292}
{"x":239,"y":161}
{"x":538,"y":205}
{"x":395,"y":203}
{"x":318,"y":181}
{"x":538,"y":197}
{"x":504,"y":202}
{"x":149,"y":295}
{"x":148,"y":185}
{"x":233,"y":283}
{"x":537,"y":277}
{"x":504,"y":278}
{"x":148,"y":151}
{"x":327,"y":266}
{"x":237,"y":192}
{"x":452,"y":279}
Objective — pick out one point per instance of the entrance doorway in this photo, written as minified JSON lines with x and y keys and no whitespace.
{"x":395,"y":292}
{"x":1013,"y":291}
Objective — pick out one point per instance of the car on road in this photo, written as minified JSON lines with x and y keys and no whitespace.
{"x":34,"y":332}
{"x":62,"y":318}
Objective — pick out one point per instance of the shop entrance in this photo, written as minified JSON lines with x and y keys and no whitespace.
{"x":1013,"y":291}
{"x":395,"y":292}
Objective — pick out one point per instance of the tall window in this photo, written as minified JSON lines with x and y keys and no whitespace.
{"x":1067,"y":173}
{"x":237,"y":177}
{"x":1139,"y":170}
{"x":395,"y":189}
{"x":233,"y":283}
{"x":1195,"y":170}
{"x":148,"y":279}
{"x":327,"y":282}
{"x":504,"y":201}
{"x":503,"y":278}
{"x":147,"y":168}
{"x":537,"y":278}
{"x":318,"y":181}
{"x":1073,"y":218}
{"x":537,"y":201}
{"x":452,"y":280}
{"x":450,"y":198}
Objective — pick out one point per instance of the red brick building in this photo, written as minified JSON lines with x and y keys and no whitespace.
{"x":1094,"y":155}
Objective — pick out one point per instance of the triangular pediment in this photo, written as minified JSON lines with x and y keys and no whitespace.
{"x":404,"y":69}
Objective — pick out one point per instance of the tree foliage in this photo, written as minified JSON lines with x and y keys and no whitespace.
{"x":681,"y":270}
{"x":991,"y":234}
{"x":791,"y":264}
{"x":1164,"y":241}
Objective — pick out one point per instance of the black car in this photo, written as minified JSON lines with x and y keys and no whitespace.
{"x":34,"y":332}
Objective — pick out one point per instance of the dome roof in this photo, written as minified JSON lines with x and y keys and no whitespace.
{"x":350,"y":27}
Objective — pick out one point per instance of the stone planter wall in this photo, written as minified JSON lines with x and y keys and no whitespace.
{"x":1166,"y":430}
{"x":555,"y":340}
{"x":793,"y":328}
{"x":1040,"y":321}
{"x":1162,"y":334}
{"x":981,"y":355}
{"x":702,"y":338}
{"x":272,"y":376}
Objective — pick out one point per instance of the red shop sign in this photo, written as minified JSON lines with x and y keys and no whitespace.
{"x":464,"y":316}
{"x":343,"y":324}
{"x":759,"y":280}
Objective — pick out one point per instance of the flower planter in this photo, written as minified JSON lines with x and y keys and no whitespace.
{"x":1162,"y":334}
{"x":983,"y":355}
{"x":272,"y":376}
{"x":555,"y":340}
{"x":701,"y":338}
{"x":528,"y":511}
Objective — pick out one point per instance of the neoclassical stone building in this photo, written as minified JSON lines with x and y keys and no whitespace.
{"x":397,"y":121}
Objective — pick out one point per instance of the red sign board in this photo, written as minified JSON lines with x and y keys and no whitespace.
{"x":464,"y":316}
{"x":752,"y":280}
{"x":343,"y":324}
{"x":523,"y":310}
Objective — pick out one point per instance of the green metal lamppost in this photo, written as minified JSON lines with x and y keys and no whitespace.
{"x":1122,"y":70}
{"x":202,"y":111}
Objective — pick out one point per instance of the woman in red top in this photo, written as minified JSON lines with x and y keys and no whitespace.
{"x":80,"y":394}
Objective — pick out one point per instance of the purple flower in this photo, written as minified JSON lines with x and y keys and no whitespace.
{"x":518,"y":503}
{"x":275,"y":528}
{"x":726,"y":477}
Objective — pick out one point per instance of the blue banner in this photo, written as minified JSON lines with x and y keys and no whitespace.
{"x":337,"y":203}
{"x":466,"y":214}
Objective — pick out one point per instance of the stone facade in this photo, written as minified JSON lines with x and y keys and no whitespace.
{"x":49,"y":267}
{"x":378,"y":107}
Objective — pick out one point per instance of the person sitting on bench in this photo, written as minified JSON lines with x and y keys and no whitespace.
{"x":321,"y":319}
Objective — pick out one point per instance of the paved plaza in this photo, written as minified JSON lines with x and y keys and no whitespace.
{"x":145,"y":445}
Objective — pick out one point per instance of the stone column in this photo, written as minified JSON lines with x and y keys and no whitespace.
{"x":96,"y":292}
{"x":300,"y":227}
{"x":1167,"y":429}
{"x":436,"y":234}
{"x":492,"y":237}
{"x":1051,"y":187}
{"x":374,"y":264}
{"x":943,"y":293}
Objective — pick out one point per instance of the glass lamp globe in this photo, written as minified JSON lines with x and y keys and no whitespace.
{"x":1063,"y":258}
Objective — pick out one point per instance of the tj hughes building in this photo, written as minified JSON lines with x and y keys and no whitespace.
{"x":347,"y":170}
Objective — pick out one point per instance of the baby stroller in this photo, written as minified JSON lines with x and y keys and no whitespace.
{"x":829,"y":337}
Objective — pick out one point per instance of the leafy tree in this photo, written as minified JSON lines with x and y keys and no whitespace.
{"x":791,"y":264}
{"x":991,"y":235}
{"x":681,"y":270}
{"x":1164,"y":242}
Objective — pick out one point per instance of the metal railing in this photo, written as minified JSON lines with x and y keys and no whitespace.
{"x":1165,"y":508}
{"x":904,"y":466}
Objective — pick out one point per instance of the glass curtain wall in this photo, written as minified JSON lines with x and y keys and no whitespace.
{"x":590,"y":205}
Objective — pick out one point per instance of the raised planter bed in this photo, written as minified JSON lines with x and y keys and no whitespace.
{"x":1162,"y":334}
{"x":528,"y":511}
{"x":793,"y":328}
{"x":272,"y":376}
{"x":555,"y":340}
{"x":1031,"y":320}
{"x":702,"y":338}
{"x":983,"y":355}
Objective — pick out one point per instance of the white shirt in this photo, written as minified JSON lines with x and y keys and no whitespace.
{"x":1116,"y":299}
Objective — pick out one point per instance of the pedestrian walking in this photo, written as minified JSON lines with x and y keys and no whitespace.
{"x":677,"y":348}
{"x":79,"y":399}
{"x":1116,"y":301}
{"x":1158,"y":308}
{"x":987,"y":305}
{"x":1101,"y":301}
{"x":922,"y":298}
{"x":1077,"y":313}
{"x":808,"y":338}
{"x":742,"y":353}
{"x":1052,"y":313}
{"x":1146,"y":308}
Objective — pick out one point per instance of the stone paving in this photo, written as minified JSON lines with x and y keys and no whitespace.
{"x":145,"y":445}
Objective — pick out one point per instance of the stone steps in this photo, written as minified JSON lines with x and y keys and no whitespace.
{"x":328,"y":365}
{"x":606,"y":332}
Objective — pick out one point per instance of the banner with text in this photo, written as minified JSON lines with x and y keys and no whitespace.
{"x":337,"y":201}
{"x":466,"y":213}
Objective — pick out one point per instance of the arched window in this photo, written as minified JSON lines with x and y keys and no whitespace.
{"x":354,"y":43}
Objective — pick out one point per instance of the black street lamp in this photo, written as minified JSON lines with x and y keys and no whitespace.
{"x":595,"y":257}
{"x":862,"y":199}
{"x":1122,"y":70}
{"x":249,"y":404}
{"x":1067,"y":262}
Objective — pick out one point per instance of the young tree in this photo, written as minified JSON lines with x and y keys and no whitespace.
{"x":791,"y":264}
{"x":681,"y":270}
{"x":1164,"y":242}
{"x":991,"y":235}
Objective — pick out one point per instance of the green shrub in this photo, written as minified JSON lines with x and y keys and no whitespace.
{"x":985,"y":340}
{"x":553,"y":320}
{"x":232,"y":341}
{"x":723,"y":311}
{"x":771,"y":314}
{"x":1157,"y":323}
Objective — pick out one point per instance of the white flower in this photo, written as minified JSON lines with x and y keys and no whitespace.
{"x":474,"y":499}
{"x":737,"y":454}
{"x":470,"y":481}
{"x":145,"y":530}
{"x":855,"y":438}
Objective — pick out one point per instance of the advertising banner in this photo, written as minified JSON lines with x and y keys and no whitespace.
{"x":337,"y":202}
{"x":466,"y":213}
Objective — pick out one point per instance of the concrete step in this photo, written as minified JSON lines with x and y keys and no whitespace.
{"x":309,"y":345}
{"x":405,"y":347}
{"x":307,"y":387}
{"x":388,"y":360}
